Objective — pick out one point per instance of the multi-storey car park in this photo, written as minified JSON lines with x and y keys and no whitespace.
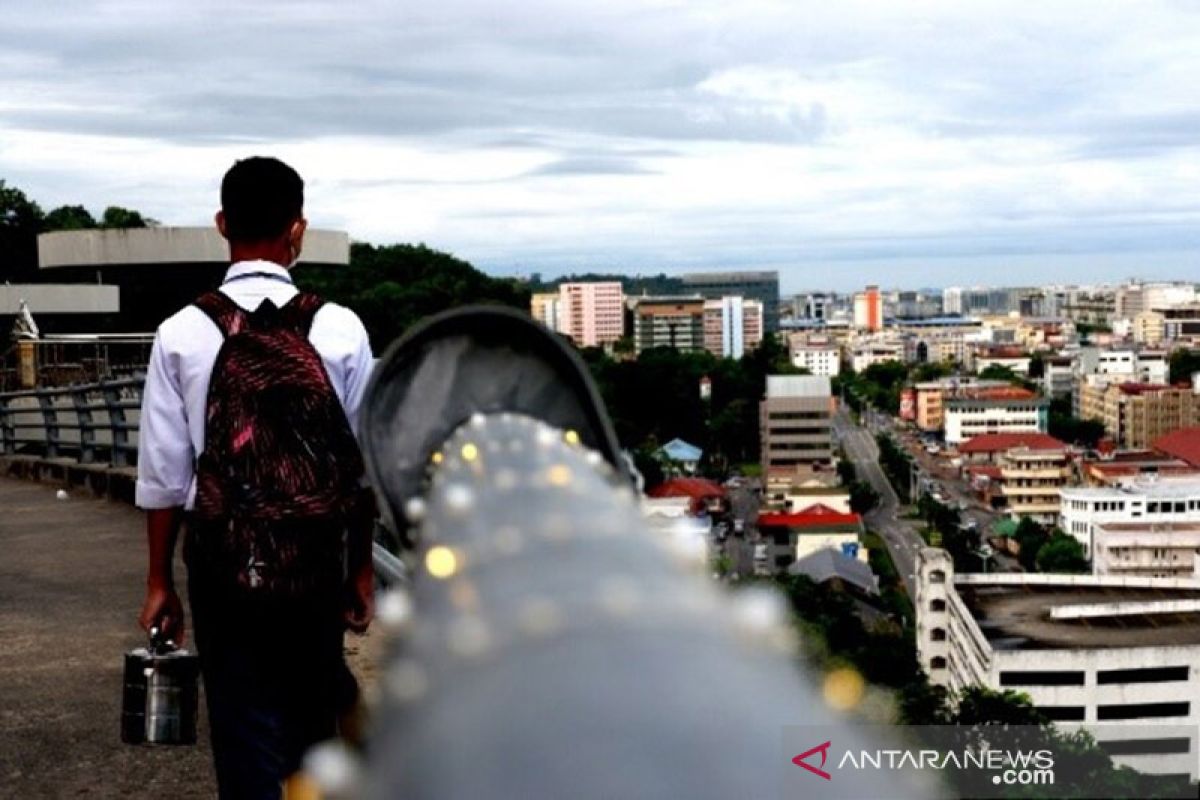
{"x":1114,"y":654}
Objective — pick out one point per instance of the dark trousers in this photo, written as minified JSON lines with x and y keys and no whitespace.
{"x":275,"y":681}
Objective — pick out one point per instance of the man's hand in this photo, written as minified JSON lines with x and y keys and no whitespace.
{"x":360,"y":601}
{"x":163,"y":610}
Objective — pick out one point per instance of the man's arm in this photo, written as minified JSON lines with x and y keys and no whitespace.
{"x":162,"y":607}
{"x":361,"y":529}
{"x":360,"y":532}
{"x":164,"y":478}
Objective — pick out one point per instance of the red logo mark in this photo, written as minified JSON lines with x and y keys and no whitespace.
{"x":823,"y":749}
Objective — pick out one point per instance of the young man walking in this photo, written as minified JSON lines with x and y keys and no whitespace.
{"x":246,"y":442}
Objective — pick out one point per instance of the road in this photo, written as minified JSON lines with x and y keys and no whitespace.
{"x":744,"y":506}
{"x":900,"y":535}
{"x":937,"y":469}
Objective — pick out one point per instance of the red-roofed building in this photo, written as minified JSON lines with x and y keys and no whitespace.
{"x":1112,"y":473}
{"x":988,"y":448}
{"x":1183,"y":444}
{"x":1022,"y":473}
{"x":705,"y":494}
{"x":1002,"y":409}
{"x":1135,"y":414}
{"x":798,"y":534}
{"x":1009,"y":357}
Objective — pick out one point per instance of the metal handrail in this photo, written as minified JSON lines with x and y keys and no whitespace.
{"x":52,"y":403}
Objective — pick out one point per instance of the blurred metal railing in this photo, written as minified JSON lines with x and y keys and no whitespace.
{"x":549,"y":644}
{"x":89,"y":422}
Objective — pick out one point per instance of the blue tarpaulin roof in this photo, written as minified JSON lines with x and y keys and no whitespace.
{"x":679,"y":450}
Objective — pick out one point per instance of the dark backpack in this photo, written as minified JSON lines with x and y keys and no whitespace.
{"x":279,"y":477}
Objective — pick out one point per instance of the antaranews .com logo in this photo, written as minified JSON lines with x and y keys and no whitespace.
{"x":864,"y":762}
{"x":1010,"y":768}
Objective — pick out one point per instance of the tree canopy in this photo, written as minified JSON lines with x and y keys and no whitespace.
{"x":22,"y":219}
{"x":1062,"y":553}
{"x":391,"y":287}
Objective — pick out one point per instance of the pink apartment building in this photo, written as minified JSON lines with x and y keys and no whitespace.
{"x":592,"y":314}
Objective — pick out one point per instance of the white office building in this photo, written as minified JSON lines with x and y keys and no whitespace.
{"x":820,"y":355}
{"x":1117,"y":656}
{"x":1154,"y":549}
{"x":968,"y":417}
{"x":1144,"y":500}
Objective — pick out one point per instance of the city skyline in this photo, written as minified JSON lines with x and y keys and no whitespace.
{"x":914,"y":146}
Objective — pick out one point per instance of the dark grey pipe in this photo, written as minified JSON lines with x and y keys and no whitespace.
{"x":558,"y":648}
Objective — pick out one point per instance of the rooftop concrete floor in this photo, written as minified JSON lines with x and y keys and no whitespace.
{"x":72,"y":576}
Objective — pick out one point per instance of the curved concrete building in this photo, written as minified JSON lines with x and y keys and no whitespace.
{"x":159,"y":246}
{"x":158,"y":270}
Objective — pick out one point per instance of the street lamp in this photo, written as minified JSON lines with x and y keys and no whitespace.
{"x":985,"y":553}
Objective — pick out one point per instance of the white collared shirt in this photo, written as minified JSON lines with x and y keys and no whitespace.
{"x":171,"y":430}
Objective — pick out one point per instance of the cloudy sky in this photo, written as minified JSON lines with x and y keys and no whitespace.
{"x":915,"y":143}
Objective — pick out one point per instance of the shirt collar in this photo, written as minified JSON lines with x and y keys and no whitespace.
{"x":258,"y":265}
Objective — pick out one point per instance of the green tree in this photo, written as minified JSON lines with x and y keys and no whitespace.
{"x":880,"y":385}
{"x":923,"y":703}
{"x":1037,"y":366}
{"x":69,"y":218}
{"x":863,"y":497}
{"x":1062,"y":424}
{"x":999,"y":372}
{"x":931,"y":371}
{"x":120,"y":218}
{"x":21,"y":220}
{"x":1184,"y":363}
{"x":1061,"y":553}
{"x":978,"y":705}
{"x":392,"y":287}
{"x":1030,"y":536}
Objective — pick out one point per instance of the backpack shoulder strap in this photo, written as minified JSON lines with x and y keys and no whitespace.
{"x":228,"y":316}
{"x":301,"y":310}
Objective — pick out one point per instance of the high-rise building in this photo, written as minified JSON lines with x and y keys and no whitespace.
{"x":592,"y":314}
{"x":732,"y":326}
{"x":957,"y":300}
{"x":760,"y":286}
{"x":818,"y":306}
{"x":1135,"y":414}
{"x":544,"y":307}
{"x":796,"y":423}
{"x":952,"y":301}
{"x":868,"y":309}
{"x":1135,"y":298}
{"x":1181,"y":323}
{"x":675,"y":322}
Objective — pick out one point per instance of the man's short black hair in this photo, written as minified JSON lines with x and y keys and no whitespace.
{"x":261,"y":198}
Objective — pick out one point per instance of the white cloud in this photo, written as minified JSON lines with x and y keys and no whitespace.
{"x":639,"y":135}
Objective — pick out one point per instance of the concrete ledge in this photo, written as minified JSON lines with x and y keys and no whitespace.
{"x":101,"y":480}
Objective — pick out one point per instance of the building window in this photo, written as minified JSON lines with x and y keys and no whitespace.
{"x":937,"y":662}
{"x":1142,"y":675}
{"x":938,"y":634}
{"x":1167,"y":745}
{"x":937,"y":605}
{"x":1041,"y":678}
{"x":937,"y":576}
{"x":1063,"y":713}
{"x":1142,"y":711}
